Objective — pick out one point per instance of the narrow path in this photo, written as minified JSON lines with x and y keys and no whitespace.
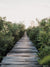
{"x":23,"y":54}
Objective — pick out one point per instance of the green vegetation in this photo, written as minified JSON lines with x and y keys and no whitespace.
{"x":40,"y":36}
{"x":45,"y":60}
{"x":10,"y":33}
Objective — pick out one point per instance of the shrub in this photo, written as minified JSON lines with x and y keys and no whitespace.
{"x":10,"y":33}
{"x":40,"y":36}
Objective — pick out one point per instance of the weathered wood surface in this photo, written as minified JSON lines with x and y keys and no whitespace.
{"x":23,"y":54}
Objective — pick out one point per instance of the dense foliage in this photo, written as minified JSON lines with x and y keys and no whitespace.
{"x":40,"y":36}
{"x":10,"y":33}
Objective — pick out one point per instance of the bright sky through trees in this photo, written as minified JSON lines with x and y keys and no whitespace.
{"x":24,"y":10}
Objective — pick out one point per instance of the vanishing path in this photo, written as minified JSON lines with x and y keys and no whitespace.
{"x":23,"y":54}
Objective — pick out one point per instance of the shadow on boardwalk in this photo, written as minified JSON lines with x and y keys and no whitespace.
{"x":23,"y":54}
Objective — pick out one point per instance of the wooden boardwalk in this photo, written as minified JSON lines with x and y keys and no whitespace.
{"x":23,"y":54}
